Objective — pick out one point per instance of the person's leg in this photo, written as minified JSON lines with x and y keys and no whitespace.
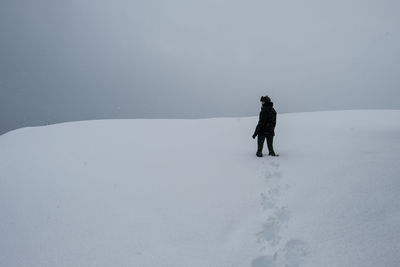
{"x":260,"y":141}
{"x":270,"y":140}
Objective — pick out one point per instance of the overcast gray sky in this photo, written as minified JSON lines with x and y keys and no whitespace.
{"x":86,"y":59}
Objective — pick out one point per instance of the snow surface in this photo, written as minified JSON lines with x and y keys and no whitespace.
{"x":192,"y":193}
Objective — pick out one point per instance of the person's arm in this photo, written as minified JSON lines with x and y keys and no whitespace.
{"x":260,"y":123}
{"x":274,"y":119}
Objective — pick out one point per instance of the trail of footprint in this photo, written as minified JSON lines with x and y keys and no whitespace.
{"x":273,"y":225}
{"x":272,"y":179}
{"x":294,"y":251}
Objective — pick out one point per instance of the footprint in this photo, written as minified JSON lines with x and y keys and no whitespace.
{"x":268,"y":200}
{"x":273,"y":178}
{"x":295,"y":252}
{"x":275,"y":163}
{"x":265,"y":261}
{"x":292,"y":255}
{"x":277,"y":173}
{"x":270,"y":231}
{"x":268,"y":175}
{"x":282,"y":214}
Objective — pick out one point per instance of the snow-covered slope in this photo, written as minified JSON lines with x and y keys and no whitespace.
{"x":192,"y":193}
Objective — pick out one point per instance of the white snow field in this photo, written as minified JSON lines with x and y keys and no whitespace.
{"x":192,"y":193}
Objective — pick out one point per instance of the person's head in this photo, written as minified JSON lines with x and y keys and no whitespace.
{"x":265,"y":99}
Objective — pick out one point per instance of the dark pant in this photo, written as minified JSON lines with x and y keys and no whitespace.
{"x":270,"y":140}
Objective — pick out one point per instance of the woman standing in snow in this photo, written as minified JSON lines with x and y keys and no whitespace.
{"x":266,"y":126}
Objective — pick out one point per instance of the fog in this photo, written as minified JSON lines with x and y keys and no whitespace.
{"x":80,"y":59}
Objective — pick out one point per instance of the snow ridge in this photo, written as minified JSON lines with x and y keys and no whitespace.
{"x":291,"y":253}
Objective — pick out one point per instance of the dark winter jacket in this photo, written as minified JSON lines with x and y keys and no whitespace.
{"x":267,"y":121}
